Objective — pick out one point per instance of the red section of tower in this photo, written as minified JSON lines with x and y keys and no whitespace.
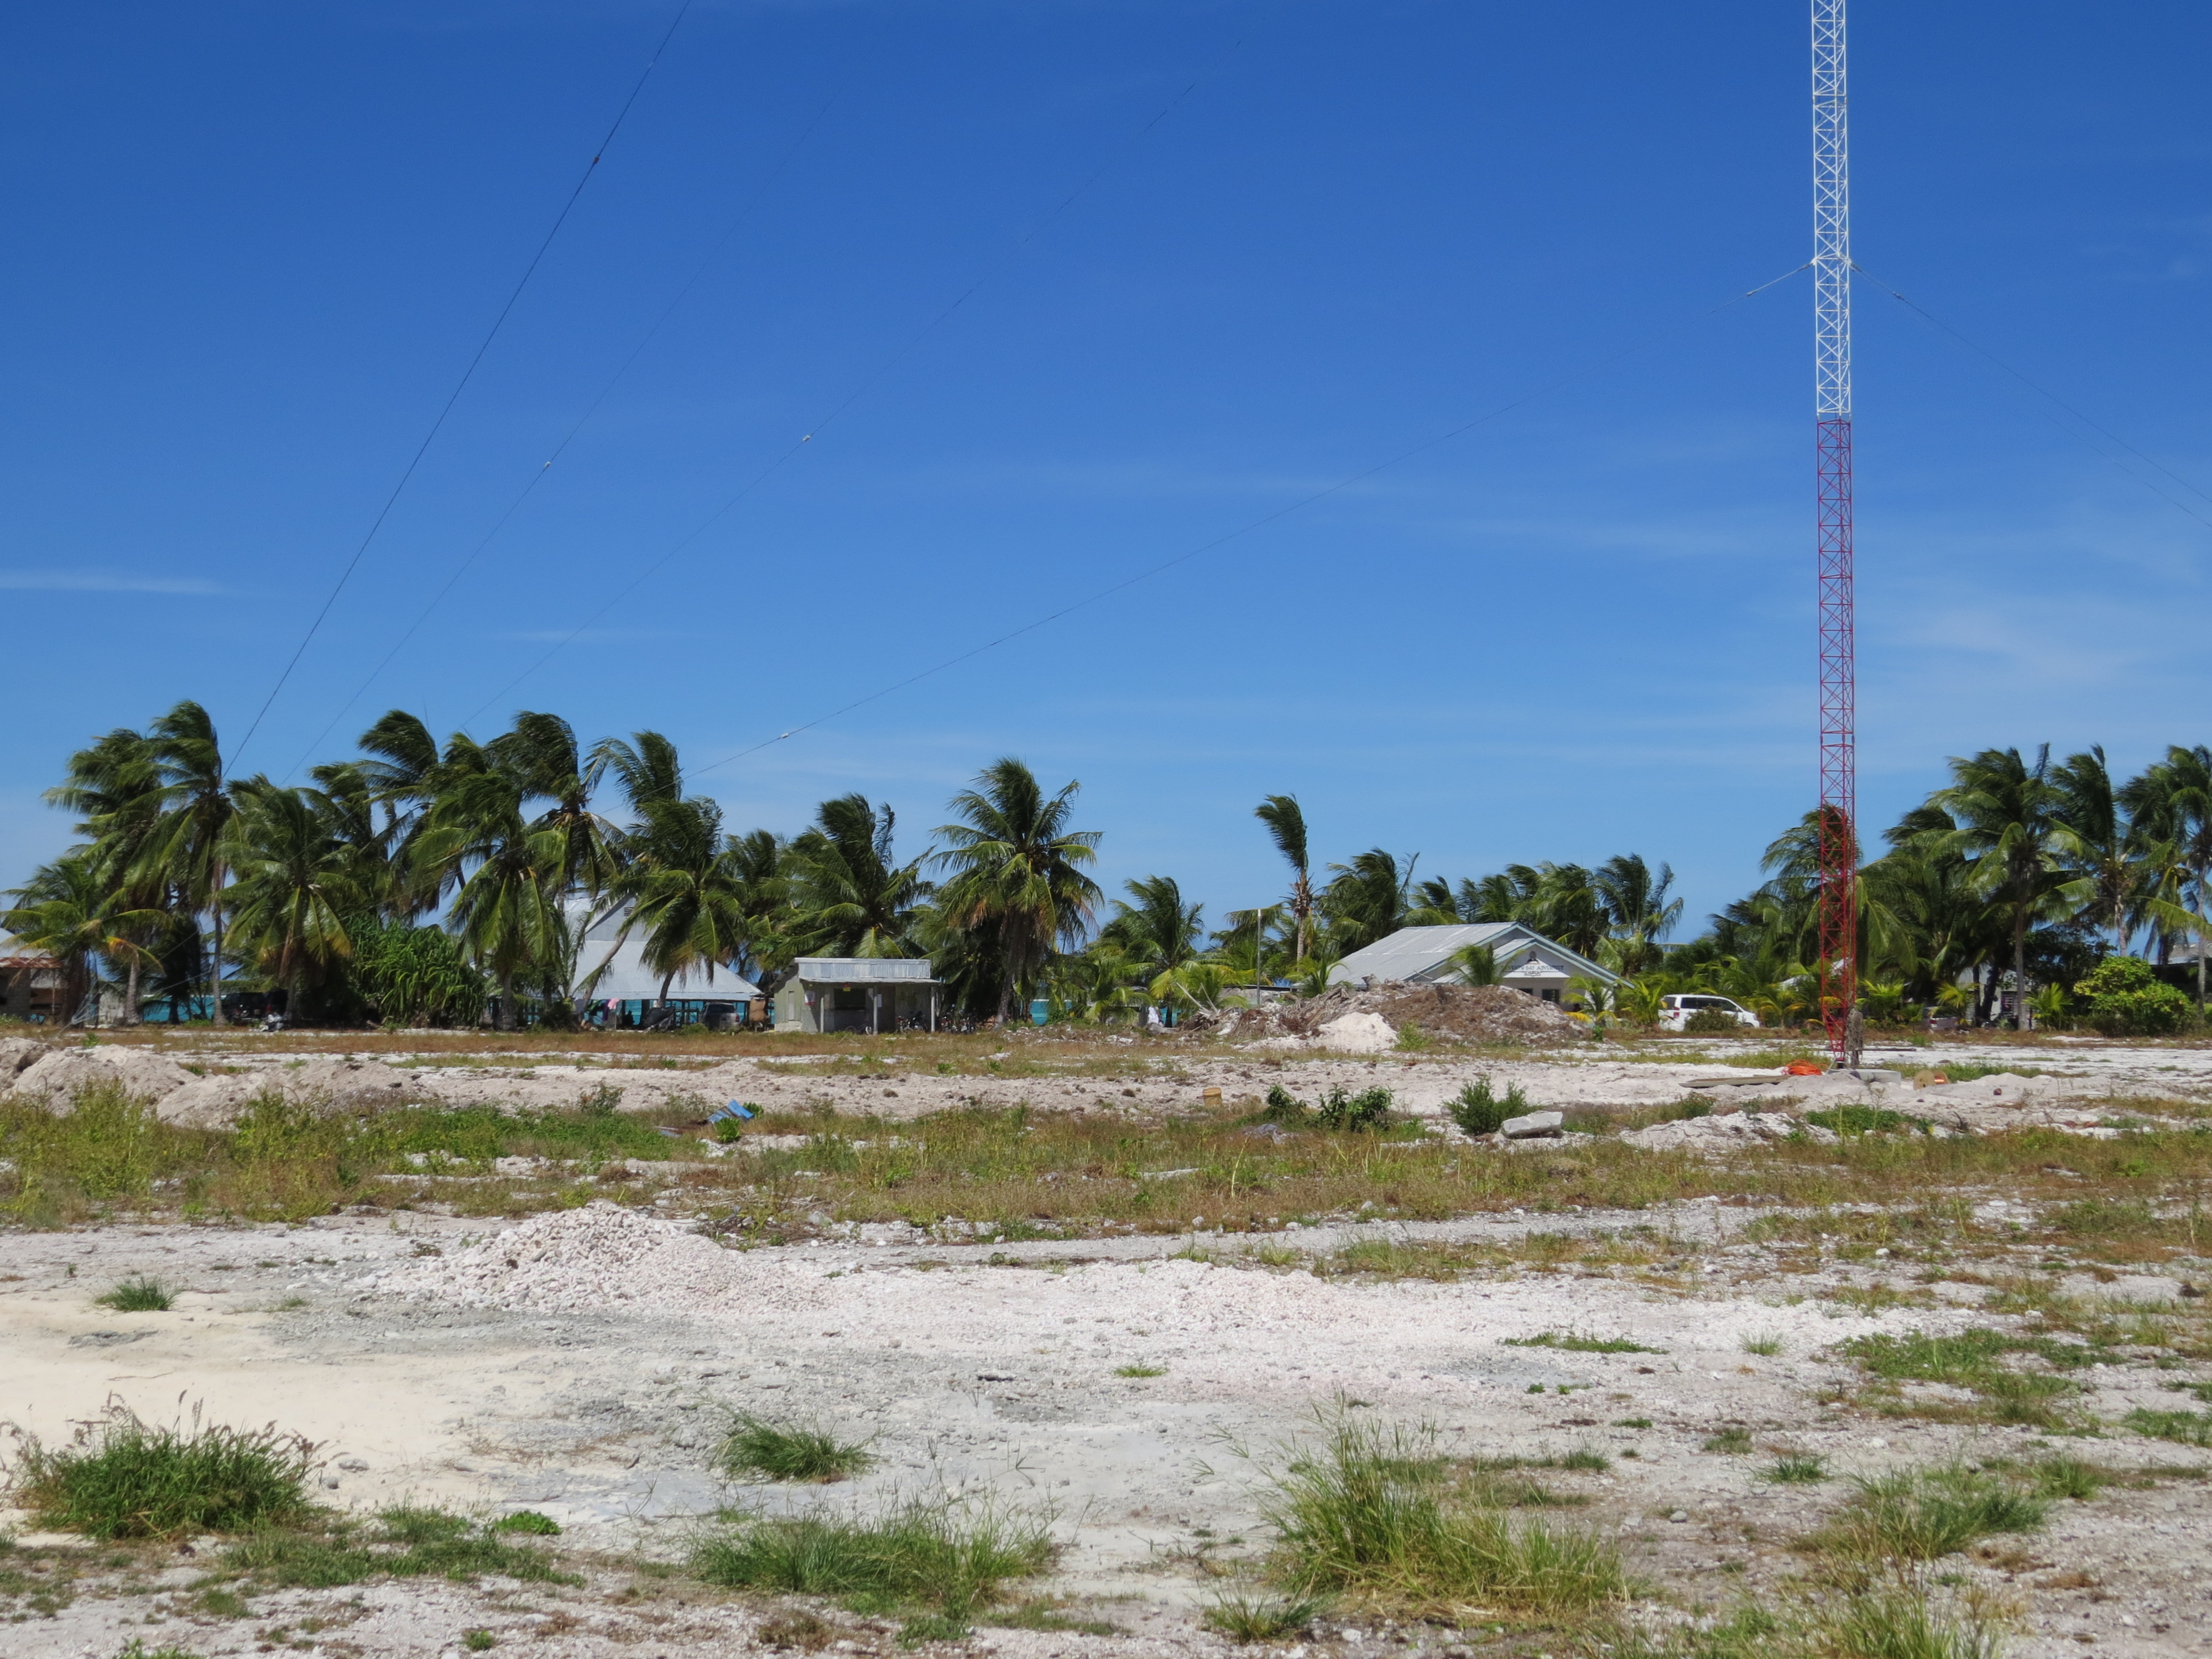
{"x":1839,"y":919}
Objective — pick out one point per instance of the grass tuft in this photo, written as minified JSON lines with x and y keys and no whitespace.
{"x":121,"y":1477}
{"x":1797,"y":1469}
{"x":2188,"y":1428}
{"x":777,"y":1451}
{"x":1729,"y":1442}
{"x":1571,"y":1342}
{"x":406,"y":1542}
{"x":1261,"y":1619}
{"x":140,"y":1295}
{"x":1140,"y":1370}
{"x":1372,"y":1512}
{"x":935,"y":1557}
{"x":530,"y":1522}
{"x":1918,"y":1515}
{"x":1763,"y":1343}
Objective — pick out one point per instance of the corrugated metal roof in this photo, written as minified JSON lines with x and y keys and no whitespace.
{"x":1418,"y":952}
{"x":862,"y":971}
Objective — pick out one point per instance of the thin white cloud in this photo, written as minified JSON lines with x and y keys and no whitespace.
{"x":85,"y":582}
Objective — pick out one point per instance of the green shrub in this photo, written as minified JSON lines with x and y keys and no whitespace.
{"x":1712,"y":1022}
{"x":757,"y":1446}
{"x":1368,"y":1109}
{"x":2123,"y":997}
{"x":1477,"y":1111}
{"x":123,"y":1478}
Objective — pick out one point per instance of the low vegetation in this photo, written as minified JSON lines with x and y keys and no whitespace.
{"x":756,"y":1448}
{"x":120,"y":1477}
{"x":1373,"y":1513}
{"x":1919,"y":1515}
{"x":408,"y":1541}
{"x":938,"y":1563}
{"x":139,"y":1295}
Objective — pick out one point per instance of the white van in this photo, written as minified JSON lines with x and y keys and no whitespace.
{"x":1675,"y":1011}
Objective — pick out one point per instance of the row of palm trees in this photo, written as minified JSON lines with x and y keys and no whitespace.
{"x":2019,"y":874}
{"x":418,"y":882}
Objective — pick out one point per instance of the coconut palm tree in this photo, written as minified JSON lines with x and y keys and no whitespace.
{"x":2103,"y":851}
{"x":69,"y":911}
{"x":299,"y":873}
{"x":1369,"y":898}
{"x":685,"y":887}
{"x":185,"y":848}
{"x":115,"y":787}
{"x":1159,"y":932}
{"x":850,"y":896}
{"x":2016,"y":845}
{"x":2172,"y":803}
{"x":505,"y":878}
{"x":1637,"y":907}
{"x":1018,"y":865}
{"x":1286,"y":826}
{"x":541,"y":754}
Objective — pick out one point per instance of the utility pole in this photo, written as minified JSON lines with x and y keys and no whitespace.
{"x":1831,"y":369}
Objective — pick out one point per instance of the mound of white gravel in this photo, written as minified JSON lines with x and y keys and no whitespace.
{"x":1719,"y":1132}
{"x":570,"y":1260}
{"x":54,"y":1081}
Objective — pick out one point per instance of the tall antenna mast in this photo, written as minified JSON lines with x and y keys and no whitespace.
{"x":1832,"y":380}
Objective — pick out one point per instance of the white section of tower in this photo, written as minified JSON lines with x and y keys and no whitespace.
{"x":1832,"y":215}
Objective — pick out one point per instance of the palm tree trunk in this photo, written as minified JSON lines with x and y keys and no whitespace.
{"x":130,"y":993}
{"x":505,"y":1021}
{"x":2020,"y":970}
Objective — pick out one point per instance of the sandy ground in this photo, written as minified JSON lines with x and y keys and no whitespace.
{"x":590,"y":1379}
{"x":584,"y":1364}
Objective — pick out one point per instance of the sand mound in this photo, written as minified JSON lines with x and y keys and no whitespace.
{"x":1457,"y":1014}
{"x":18,"y":1055}
{"x":330,"y":1083}
{"x":594,"y":1257}
{"x":53,"y":1082}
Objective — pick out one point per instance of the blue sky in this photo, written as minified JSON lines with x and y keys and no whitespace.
{"x":253,"y":245}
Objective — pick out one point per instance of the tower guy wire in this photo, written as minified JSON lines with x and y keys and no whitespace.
{"x":460,"y":386}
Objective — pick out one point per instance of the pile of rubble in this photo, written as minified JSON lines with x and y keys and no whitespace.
{"x":1487,"y":1014}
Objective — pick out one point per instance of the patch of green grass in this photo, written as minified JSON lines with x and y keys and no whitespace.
{"x":1866,"y":1121}
{"x":1918,"y":1515}
{"x":935,"y":1627}
{"x":1242,"y":1618}
{"x":1585,"y":1461}
{"x":1974,"y":1359}
{"x":935,"y":1557}
{"x":2070,"y":1477}
{"x":1631,"y":1422}
{"x":755,"y":1446}
{"x":2187,"y":1428}
{"x":1888,"y":1622}
{"x":530,"y":1522}
{"x":1139,"y":1369}
{"x":1763,"y":1344}
{"x":1371,"y":1512}
{"x":120,"y":1477}
{"x":1571,"y":1342}
{"x":406,"y":1543}
{"x":136,"y":1649}
{"x":479,"y":1641}
{"x":139,"y":1295}
{"x":1797,"y":1469}
{"x":1049,"y":1616}
{"x":1732,"y":1443}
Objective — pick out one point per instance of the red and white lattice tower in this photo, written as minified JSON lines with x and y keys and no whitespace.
{"x":1831,"y":336}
